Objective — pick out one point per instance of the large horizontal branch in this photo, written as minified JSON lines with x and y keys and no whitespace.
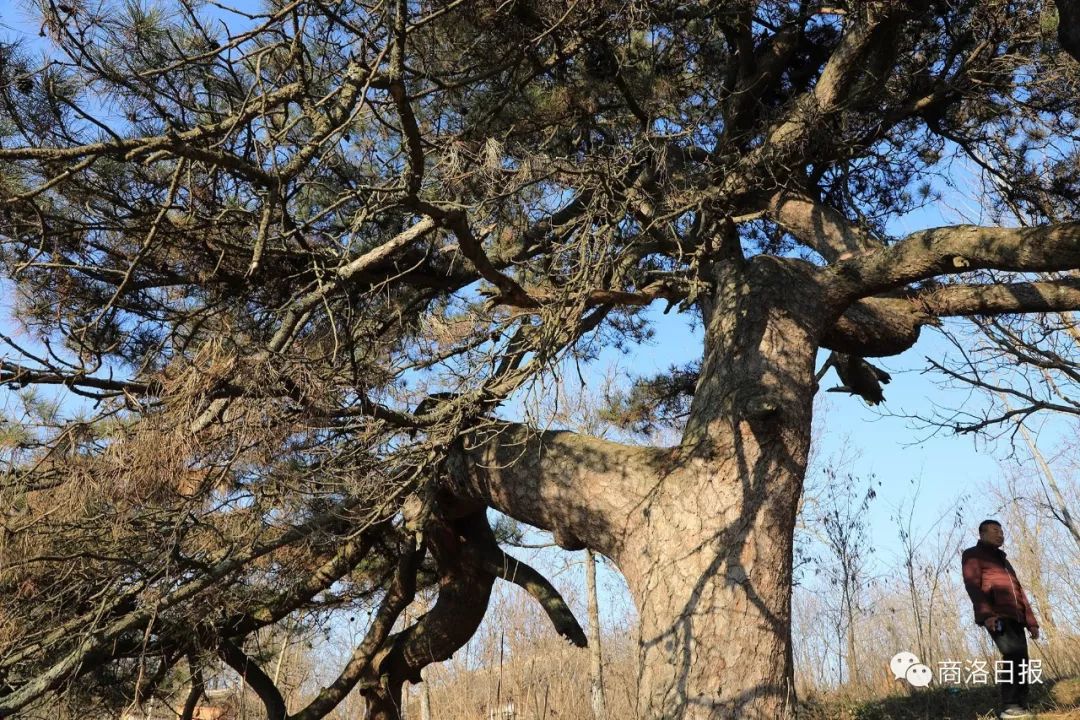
{"x":953,"y":250}
{"x":876,"y":327}
{"x":533,"y":299}
{"x":869,"y":327}
{"x":881,"y":326}
{"x":576,"y":486}
{"x":196,"y":143}
{"x":1048,"y":296}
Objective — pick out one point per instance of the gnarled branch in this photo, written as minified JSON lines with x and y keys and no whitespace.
{"x":256,"y":679}
{"x":525,"y":576}
{"x":819,"y":226}
{"x":954,"y":250}
{"x":577,"y":486}
{"x":880,"y":326}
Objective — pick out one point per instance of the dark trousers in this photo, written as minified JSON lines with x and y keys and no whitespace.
{"x":1012,"y":643}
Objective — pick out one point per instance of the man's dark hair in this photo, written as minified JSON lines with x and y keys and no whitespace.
{"x":984,"y":523}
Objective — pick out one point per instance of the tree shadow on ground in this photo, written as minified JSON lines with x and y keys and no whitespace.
{"x":1048,"y":699}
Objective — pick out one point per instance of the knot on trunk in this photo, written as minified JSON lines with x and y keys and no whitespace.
{"x":761,"y":406}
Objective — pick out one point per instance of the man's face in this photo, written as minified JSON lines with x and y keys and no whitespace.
{"x":993,"y":534}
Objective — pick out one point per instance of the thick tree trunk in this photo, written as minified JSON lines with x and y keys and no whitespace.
{"x":703,"y":531}
{"x":709,"y":561}
{"x":713,"y":586}
{"x":710,"y":564}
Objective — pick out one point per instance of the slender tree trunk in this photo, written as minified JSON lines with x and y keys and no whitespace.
{"x":851,"y":659}
{"x":596,"y":659}
{"x":1061,"y":510}
{"x":916,"y":608}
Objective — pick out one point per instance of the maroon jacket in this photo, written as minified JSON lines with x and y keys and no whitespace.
{"x":993,"y":586}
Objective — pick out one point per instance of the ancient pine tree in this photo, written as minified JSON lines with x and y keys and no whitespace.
{"x":272,"y":275}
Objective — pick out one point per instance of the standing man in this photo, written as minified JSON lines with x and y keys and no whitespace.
{"x":1003,"y":609}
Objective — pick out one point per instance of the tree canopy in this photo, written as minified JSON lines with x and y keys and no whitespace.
{"x":272,"y":274}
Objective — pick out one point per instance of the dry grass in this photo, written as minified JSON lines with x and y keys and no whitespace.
{"x":1058,"y":700}
{"x":547,"y":678}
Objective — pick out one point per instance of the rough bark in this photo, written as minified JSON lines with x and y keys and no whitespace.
{"x":464,"y":591}
{"x":881,"y":326}
{"x":709,"y":561}
{"x":702,"y":531}
{"x":820,"y":226}
{"x":425,"y":700}
{"x":580,"y":488}
{"x":959,"y":249}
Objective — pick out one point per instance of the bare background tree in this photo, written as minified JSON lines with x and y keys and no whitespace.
{"x":843,"y":525}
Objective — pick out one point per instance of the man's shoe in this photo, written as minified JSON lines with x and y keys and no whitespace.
{"x":1015,"y":711}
